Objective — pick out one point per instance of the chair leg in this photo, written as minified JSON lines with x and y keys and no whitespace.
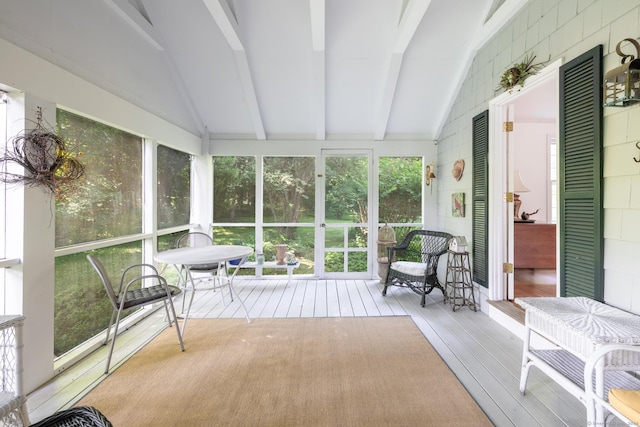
{"x":113,"y":314}
{"x":175,"y":319}
{"x":232,"y":291}
{"x":113,"y":341}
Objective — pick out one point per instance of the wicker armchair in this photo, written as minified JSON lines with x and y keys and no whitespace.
{"x":414,"y":262}
{"x":81,"y":416}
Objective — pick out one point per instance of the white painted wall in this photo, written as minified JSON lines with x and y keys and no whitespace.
{"x":531,"y":158}
{"x":564,"y":29}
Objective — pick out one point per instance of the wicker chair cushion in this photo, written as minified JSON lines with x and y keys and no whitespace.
{"x":409,"y":268}
{"x":627,"y":402}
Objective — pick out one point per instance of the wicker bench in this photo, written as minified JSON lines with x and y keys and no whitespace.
{"x":580,"y":328}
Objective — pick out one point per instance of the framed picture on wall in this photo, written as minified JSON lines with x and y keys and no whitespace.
{"x":457,"y":205}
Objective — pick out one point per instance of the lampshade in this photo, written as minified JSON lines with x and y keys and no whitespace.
{"x":518,"y":186}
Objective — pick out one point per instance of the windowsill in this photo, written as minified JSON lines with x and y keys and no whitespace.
{"x":9,"y":262}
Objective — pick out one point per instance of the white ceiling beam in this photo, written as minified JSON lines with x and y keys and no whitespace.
{"x":411,"y":18}
{"x":131,"y":16}
{"x":223,"y":16}
{"x":175,"y":74}
{"x":501,"y":16}
{"x":318,"y":29}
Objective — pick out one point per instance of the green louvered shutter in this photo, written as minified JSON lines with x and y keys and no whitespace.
{"x":580,"y":177}
{"x":480,"y":198}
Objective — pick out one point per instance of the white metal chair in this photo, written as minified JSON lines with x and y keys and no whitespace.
{"x":218,"y":273}
{"x":130,"y":296}
{"x":210,"y":271}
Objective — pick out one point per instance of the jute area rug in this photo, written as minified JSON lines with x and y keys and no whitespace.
{"x":375,"y":371}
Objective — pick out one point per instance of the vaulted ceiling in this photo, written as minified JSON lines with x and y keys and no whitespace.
{"x":264,"y":69}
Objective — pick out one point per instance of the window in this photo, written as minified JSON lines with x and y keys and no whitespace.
{"x":174,"y":187}
{"x":106,"y":207}
{"x":400,"y":194}
{"x":553,"y":179}
{"x":288,"y":200}
{"x":107,"y":202}
{"x":289,"y":207}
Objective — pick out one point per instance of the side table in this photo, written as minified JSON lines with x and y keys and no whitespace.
{"x":458,"y":286}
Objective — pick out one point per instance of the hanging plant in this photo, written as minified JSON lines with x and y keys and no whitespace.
{"x":517,"y":74}
{"x":45,"y":157}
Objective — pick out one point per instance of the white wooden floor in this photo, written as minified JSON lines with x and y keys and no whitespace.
{"x":485,"y":356}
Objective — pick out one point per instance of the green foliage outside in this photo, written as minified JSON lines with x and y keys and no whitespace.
{"x":82,"y":308}
{"x":174,"y":192}
{"x":289,"y":197}
{"x":107,"y":203}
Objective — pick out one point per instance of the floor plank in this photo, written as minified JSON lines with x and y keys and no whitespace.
{"x":484,"y":356}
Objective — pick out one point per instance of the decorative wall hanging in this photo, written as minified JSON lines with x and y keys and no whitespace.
{"x":517,"y":74}
{"x":458,"y":169}
{"x":45,"y":157}
{"x":457,"y":205}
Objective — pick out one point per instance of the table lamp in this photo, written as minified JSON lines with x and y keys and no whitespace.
{"x":518,"y":187}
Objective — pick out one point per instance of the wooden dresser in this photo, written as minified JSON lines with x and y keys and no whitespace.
{"x":534,"y":245}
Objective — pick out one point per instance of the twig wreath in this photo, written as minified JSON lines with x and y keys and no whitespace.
{"x":517,"y":74}
{"x":45,"y":158}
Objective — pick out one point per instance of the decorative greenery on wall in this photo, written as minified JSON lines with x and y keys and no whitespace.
{"x":45,"y":157}
{"x":517,"y":74}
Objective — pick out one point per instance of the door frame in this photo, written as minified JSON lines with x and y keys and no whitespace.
{"x":500,"y":226}
{"x":320,"y":212}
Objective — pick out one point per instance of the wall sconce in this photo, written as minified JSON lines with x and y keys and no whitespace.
{"x":429,"y":175}
{"x":622,"y":84}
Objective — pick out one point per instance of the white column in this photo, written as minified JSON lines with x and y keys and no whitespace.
{"x":31,"y":237}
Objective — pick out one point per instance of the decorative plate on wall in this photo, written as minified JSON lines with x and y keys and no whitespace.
{"x":458,"y":169}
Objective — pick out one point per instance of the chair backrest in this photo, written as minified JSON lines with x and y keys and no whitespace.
{"x":426,"y":245}
{"x":193,"y":239}
{"x":104,"y":277}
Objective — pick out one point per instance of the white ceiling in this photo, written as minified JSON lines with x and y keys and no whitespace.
{"x":264,"y":69}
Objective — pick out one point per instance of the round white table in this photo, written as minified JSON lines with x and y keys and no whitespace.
{"x":203,"y":254}
{"x":197,"y":255}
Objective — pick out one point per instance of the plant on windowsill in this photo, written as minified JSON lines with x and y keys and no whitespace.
{"x":517,"y":74}
{"x":45,"y":157}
